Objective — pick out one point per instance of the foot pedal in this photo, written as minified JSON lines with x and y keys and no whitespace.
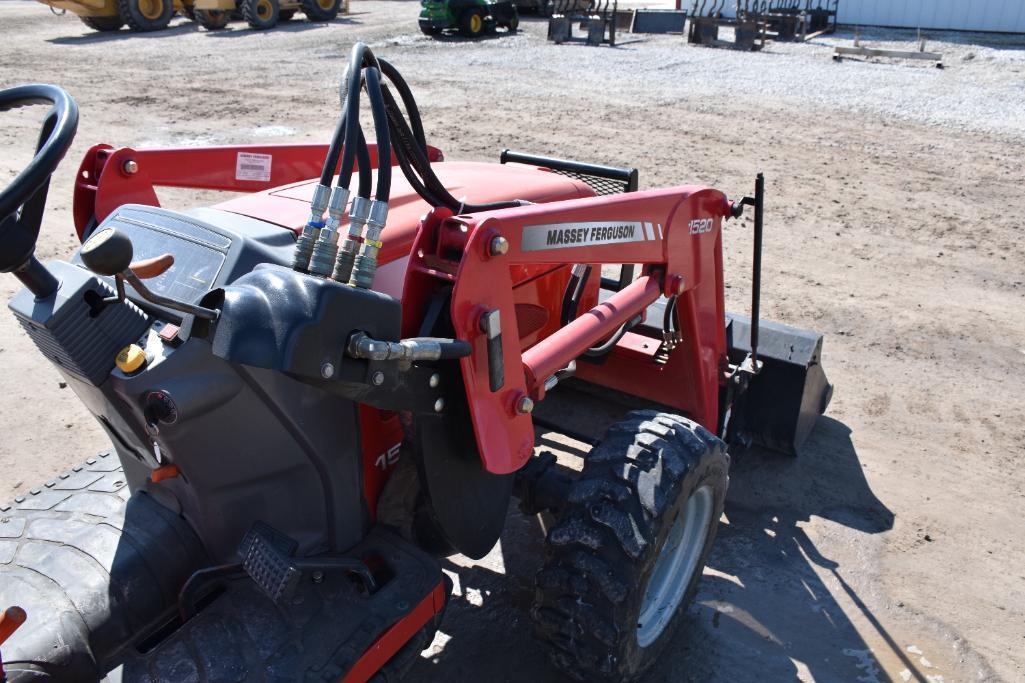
{"x":266,"y":555}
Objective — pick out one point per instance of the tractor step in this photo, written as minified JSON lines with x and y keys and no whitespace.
{"x":311,"y":625}
{"x":78,"y":545}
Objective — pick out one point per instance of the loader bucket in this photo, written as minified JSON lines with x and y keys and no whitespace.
{"x":782,"y":402}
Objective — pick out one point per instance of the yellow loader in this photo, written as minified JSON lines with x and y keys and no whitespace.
{"x":153,"y":15}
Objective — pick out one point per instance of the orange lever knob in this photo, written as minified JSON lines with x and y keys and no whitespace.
{"x":10,"y":620}
{"x":152,"y":267}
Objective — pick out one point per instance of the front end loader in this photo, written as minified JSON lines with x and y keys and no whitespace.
{"x":317,"y":389}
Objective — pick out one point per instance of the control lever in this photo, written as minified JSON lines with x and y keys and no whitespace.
{"x":109,"y":252}
{"x":10,"y":619}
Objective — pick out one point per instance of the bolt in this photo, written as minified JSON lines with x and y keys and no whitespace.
{"x":377,"y":379}
{"x":434,"y":381}
{"x":130,"y":167}
{"x":524,"y":406}
{"x":439,"y":405}
{"x":499,"y":246}
{"x":327,"y":370}
{"x":318,"y":577}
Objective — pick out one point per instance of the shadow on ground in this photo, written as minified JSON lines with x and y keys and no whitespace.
{"x":763,"y":611}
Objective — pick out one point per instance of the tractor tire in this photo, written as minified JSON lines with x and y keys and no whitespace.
{"x":286,"y":15}
{"x":189,"y":12}
{"x":471,"y":23}
{"x":213,"y":19}
{"x":514,"y":24}
{"x":321,"y":10}
{"x":430,"y":31}
{"x":146,"y":15}
{"x":625,"y":556}
{"x":112,"y":23}
{"x":261,"y":14}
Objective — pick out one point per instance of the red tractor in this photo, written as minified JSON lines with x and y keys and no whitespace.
{"x":314,"y":393}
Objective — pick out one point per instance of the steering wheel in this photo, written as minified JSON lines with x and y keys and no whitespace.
{"x":22,"y":201}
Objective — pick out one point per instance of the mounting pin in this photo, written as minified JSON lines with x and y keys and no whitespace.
{"x":524,"y":406}
{"x":499,"y":246}
{"x":327,"y":370}
{"x":130,"y":167}
{"x":439,"y":405}
{"x":377,"y":379}
{"x":434,"y":381}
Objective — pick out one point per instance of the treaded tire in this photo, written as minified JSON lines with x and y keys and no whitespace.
{"x":112,"y":23}
{"x":314,"y":12}
{"x":131,"y":12}
{"x":603,"y":549}
{"x":468,"y":27}
{"x":213,"y":19}
{"x":261,"y":14}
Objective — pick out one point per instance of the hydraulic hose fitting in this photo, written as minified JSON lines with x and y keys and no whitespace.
{"x":322,"y":260}
{"x":311,"y":231}
{"x":359,"y":212}
{"x":365,"y":267}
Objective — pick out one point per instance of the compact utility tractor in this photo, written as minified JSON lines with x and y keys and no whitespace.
{"x":472,"y":18}
{"x":309,"y":406}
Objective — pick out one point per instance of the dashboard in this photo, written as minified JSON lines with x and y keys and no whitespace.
{"x":211,"y":247}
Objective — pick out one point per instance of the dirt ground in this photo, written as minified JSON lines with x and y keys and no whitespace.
{"x":892,"y":548}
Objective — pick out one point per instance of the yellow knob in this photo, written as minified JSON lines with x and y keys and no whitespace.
{"x":131,"y":358}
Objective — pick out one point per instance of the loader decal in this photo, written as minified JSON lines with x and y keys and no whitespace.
{"x":586,"y":234}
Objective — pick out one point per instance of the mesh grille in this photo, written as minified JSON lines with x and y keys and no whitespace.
{"x":601,"y":186}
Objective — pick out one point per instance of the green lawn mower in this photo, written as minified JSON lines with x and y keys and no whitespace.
{"x":470,"y":17}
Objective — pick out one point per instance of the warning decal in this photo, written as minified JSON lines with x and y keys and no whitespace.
{"x":249,"y":166}
{"x":586,"y":234}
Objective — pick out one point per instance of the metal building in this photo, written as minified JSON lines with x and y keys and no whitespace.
{"x":962,"y":15}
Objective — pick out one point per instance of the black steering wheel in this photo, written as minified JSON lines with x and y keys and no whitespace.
{"x":22,"y":201}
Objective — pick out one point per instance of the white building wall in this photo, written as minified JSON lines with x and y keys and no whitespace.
{"x":1007,"y":16}
{"x":964,"y":15}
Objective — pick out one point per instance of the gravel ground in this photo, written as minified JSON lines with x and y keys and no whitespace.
{"x":891,"y":550}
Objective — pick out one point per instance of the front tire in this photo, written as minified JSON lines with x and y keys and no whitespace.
{"x":146,"y":15}
{"x":624,"y":559}
{"x":261,"y":14}
{"x":471,"y":23}
{"x":104,"y":24}
{"x":213,"y":19}
{"x":321,"y":10}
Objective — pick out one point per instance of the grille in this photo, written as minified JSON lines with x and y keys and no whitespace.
{"x":601,"y":186}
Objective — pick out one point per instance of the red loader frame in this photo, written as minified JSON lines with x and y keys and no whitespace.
{"x":673,"y":233}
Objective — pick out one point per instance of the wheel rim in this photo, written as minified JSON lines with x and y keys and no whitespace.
{"x":263,"y":9}
{"x":675,"y":566}
{"x":151,"y":9}
{"x":327,"y":5}
{"x":476,"y":23}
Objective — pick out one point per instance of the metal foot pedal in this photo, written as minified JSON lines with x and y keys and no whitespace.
{"x":267,"y":557}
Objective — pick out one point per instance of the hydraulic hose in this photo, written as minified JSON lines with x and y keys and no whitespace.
{"x":377,"y":107}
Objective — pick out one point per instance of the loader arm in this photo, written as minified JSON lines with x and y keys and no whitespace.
{"x":109,"y":177}
{"x":674,"y":234}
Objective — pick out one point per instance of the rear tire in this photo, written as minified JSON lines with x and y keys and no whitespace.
{"x":213,"y":19}
{"x":146,"y":15}
{"x":624,"y":559}
{"x":321,"y":10}
{"x":430,"y":31}
{"x":514,"y":24}
{"x":112,"y":23}
{"x":261,"y":14}
{"x":471,"y":23}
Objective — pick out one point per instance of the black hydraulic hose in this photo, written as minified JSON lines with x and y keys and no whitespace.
{"x":327,"y":174}
{"x":377,"y":107}
{"x":393,"y":75}
{"x":361,"y":56}
{"x":364,"y":166}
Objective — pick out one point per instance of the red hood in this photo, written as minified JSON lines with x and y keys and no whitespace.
{"x":289,"y":205}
